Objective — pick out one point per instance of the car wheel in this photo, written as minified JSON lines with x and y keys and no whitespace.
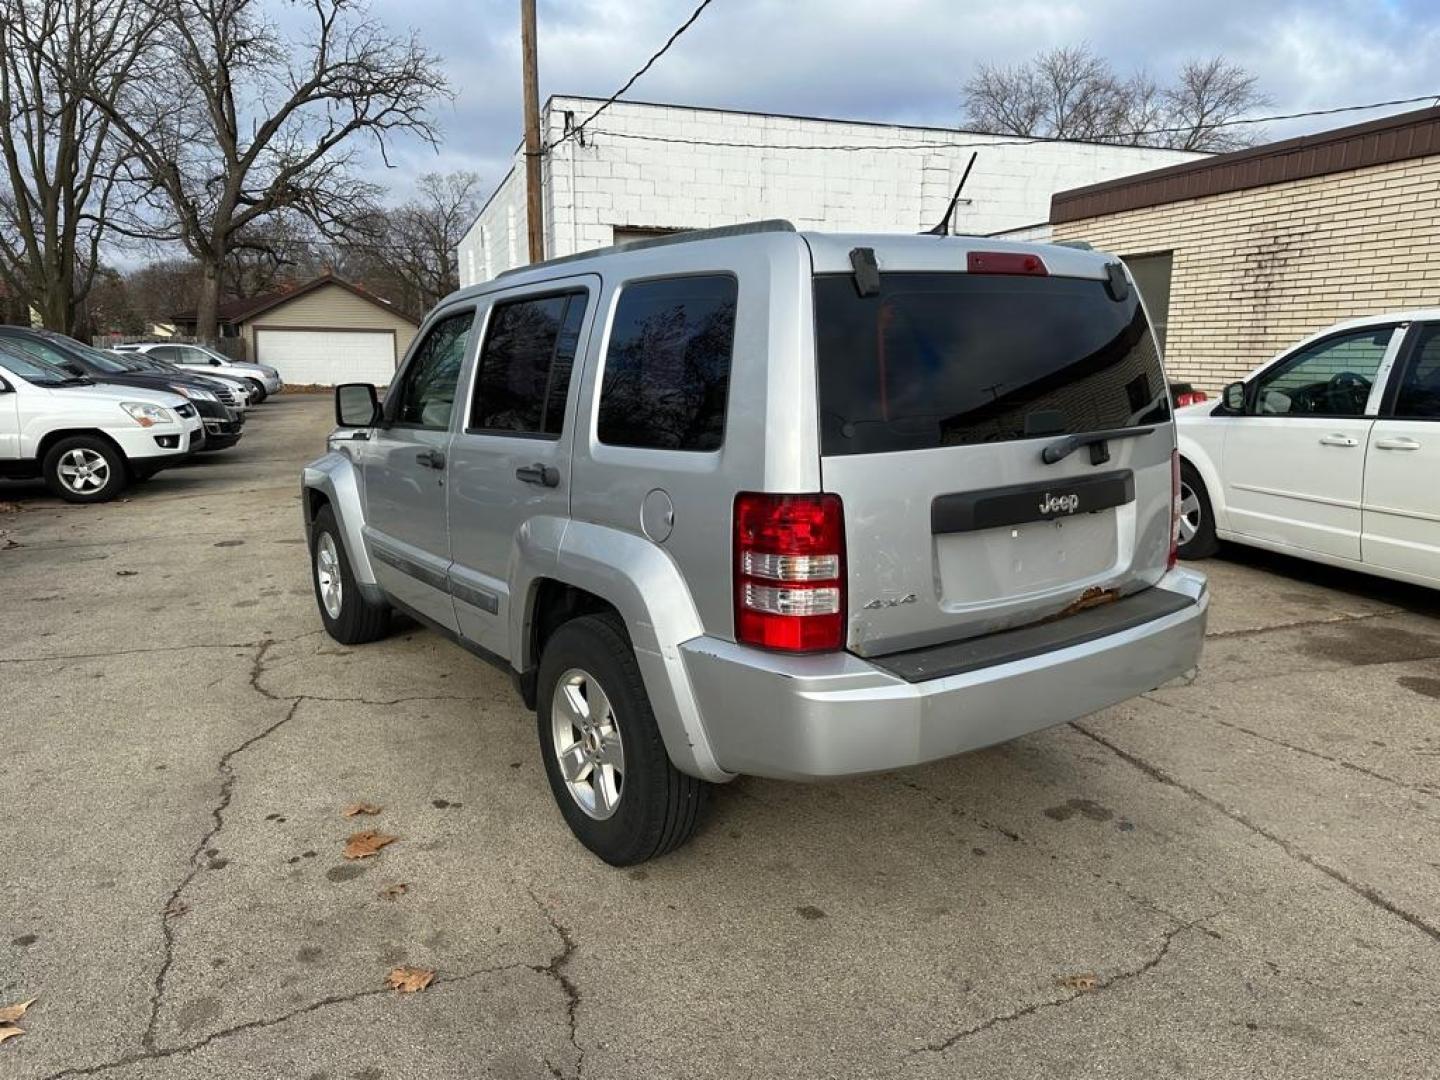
{"x":1197,"y":521}
{"x":85,"y":469}
{"x":608,"y":769}
{"x":349,"y":617}
{"x":257,"y":390}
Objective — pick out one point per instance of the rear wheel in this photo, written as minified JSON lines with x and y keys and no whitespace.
{"x":603,"y":753}
{"x":1197,"y":520}
{"x":349,"y":617}
{"x":85,"y":469}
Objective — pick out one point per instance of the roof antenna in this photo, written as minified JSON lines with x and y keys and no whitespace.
{"x":943,"y":229}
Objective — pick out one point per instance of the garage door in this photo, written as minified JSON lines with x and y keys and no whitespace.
{"x":328,"y":357}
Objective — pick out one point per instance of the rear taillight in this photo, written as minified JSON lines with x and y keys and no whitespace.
{"x":1005,"y":262}
{"x":1190,"y":397}
{"x":790,"y":571}
{"x":1174,"y":510}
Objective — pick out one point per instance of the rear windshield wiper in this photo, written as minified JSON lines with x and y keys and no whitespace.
{"x":1060,"y":449}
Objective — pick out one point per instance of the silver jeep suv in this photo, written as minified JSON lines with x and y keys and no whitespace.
{"x":757,"y":501}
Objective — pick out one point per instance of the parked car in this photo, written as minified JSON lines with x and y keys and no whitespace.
{"x":223,"y":425}
{"x":87,"y":441}
{"x":753,"y":501}
{"x":1330,"y":451}
{"x":231,"y":392}
{"x":262,"y":378}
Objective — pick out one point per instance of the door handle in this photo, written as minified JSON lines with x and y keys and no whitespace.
{"x":1396,"y":444}
{"x":1338,"y":440}
{"x":544,"y":475}
{"x":431,"y":459}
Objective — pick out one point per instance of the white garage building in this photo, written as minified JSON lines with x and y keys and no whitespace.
{"x":324,"y":331}
{"x":641,"y":170}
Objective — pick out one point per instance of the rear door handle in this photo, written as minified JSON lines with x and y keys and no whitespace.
{"x":1396,"y":444}
{"x":1338,"y":440}
{"x":431,"y":459}
{"x":544,"y":475}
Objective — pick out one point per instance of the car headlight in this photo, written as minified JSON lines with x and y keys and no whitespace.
{"x":193,"y":393}
{"x":145,"y":414}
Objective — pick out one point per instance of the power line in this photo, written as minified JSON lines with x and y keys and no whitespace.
{"x":577,"y":129}
{"x":1021,"y":141}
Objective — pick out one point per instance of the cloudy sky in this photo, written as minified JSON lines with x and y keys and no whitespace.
{"x":895,"y":60}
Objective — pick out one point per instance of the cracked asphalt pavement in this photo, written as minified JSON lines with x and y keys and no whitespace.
{"x":1239,"y":876}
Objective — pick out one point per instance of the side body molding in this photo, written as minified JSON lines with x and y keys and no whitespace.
{"x":639,"y":579}
{"x":336,"y":477}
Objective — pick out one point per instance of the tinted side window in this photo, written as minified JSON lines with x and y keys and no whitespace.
{"x":1419,"y":396}
{"x":1329,"y":378}
{"x":426,"y":395}
{"x":168,"y":353}
{"x":667,"y":369}
{"x":525,"y":365}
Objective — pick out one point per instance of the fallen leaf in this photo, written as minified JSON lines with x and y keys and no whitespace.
{"x":9,"y":507}
{"x":11,"y":1013}
{"x":356,"y":808}
{"x":362,"y":845}
{"x":408,"y":980}
{"x":394,"y":890}
{"x":9,"y":1032}
{"x":1078,"y":982}
{"x":126,"y":573}
{"x":176,"y":908}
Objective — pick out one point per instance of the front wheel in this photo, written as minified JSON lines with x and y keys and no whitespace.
{"x":85,"y":469}
{"x":258,"y":392}
{"x":1197,"y":520}
{"x":349,"y":618}
{"x":603,"y":753}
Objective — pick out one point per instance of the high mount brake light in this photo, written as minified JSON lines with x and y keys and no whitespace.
{"x":1005,"y":262}
{"x":790,"y":571}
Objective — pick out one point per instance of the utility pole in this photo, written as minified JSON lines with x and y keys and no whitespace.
{"x":530,"y":67}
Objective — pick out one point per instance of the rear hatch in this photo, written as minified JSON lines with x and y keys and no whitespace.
{"x":941,"y":386}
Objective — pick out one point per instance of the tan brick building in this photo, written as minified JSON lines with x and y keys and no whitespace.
{"x":1243,"y":254}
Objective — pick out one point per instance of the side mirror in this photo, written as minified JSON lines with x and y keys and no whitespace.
{"x":1234,"y":397}
{"x":356,"y":405}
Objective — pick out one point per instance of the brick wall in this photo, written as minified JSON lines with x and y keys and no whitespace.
{"x":1255,"y":271}
{"x":616,"y":181}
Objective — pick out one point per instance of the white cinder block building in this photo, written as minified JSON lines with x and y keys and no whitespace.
{"x":641,"y":170}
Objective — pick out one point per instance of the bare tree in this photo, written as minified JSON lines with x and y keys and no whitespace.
{"x":62,"y":162}
{"x":418,"y":239}
{"x":1208,"y":96}
{"x":235,"y":123}
{"x":1071,"y":93}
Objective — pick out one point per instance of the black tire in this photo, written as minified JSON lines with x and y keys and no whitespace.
{"x":257,"y":391}
{"x":1203,"y":543}
{"x":358,"y":619}
{"x":658,"y":807}
{"x":100,"y":455}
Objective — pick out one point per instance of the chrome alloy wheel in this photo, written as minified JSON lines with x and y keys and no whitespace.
{"x":1190,"y":513}
{"x":327,"y":575}
{"x":586,"y":735}
{"x":84,"y":471}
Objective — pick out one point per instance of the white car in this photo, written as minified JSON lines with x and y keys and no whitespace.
{"x":261,"y":378}
{"x":87,"y":440}
{"x":1331,"y":452}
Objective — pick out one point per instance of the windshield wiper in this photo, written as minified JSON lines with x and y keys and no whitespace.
{"x":76,"y":380}
{"x":1098,"y":441}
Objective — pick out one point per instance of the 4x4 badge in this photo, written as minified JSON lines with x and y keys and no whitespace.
{"x":882,"y":602}
{"x":1059,"y":504}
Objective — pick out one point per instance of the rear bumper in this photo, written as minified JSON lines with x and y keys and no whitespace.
{"x":814,"y":717}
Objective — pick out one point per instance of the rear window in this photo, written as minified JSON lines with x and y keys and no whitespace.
{"x":953,"y":359}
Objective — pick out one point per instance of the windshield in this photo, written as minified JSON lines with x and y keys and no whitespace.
{"x":101,"y":360}
{"x":949,"y":359}
{"x":35,"y":372}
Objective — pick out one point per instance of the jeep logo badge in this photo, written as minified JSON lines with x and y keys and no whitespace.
{"x":1059,"y":504}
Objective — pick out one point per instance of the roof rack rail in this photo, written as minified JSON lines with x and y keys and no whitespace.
{"x":770,"y":225}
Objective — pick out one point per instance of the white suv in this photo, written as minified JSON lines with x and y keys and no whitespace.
{"x":262,"y":379}
{"x":87,"y":441}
